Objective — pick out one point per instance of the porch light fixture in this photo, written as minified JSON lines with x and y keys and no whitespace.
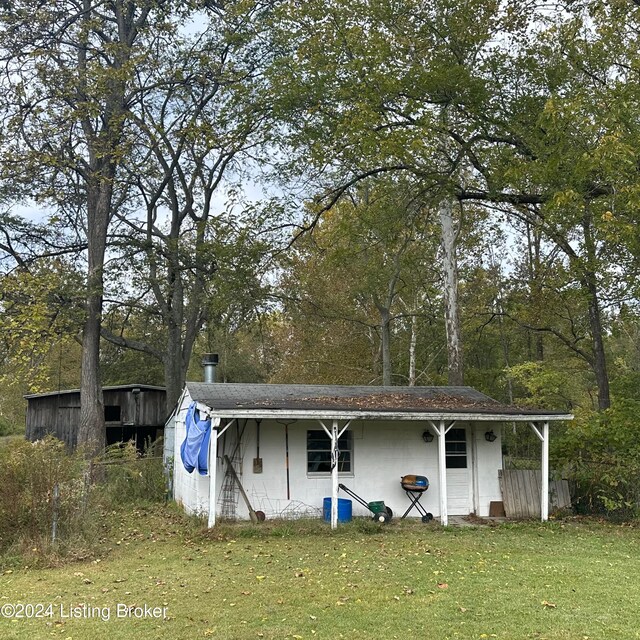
{"x":489,"y":436}
{"x":427,"y":436}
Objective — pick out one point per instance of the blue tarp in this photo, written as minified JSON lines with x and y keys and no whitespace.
{"x":195,"y":448}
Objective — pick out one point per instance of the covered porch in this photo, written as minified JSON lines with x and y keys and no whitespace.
{"x":432,"y":414}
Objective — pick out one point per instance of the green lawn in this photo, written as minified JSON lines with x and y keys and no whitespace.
{"x":279,"y":580}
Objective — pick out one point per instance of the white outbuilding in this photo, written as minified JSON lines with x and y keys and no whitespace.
{"x":291,"y":446}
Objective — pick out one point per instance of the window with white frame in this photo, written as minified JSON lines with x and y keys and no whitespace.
{"x":319,"y":452}
{"x":456,"y":449}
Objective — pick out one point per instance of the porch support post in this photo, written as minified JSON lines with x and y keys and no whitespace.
{"x":334,"y":434}
{"x":213,"y":468}
{"x":334,"y":474}
{"x":544,"y":498}
{"x":441,"y":429}
{"x":442,"y":475}
{"x":543,"y":436}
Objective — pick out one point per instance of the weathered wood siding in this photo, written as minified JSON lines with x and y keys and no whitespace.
{"x":521,"y":492}
{"x":144,"y":409}
{"x":59,"y":414}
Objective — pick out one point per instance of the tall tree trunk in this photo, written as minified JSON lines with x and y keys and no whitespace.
{"x":590,"y":284}
{"x":103,"y":135}
{"x":385,"y":332}
{"x":450,"y":282}
{"x":384,"y":309}
{"x":599,"y":356}
{"x":412,"y":350}
{"x":534,"y":239}
{"x":91,"y":431}
{"x":174,"y":375}
{"x":185,"y":313}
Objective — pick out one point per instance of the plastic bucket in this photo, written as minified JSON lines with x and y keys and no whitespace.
{"x":345,"y":508}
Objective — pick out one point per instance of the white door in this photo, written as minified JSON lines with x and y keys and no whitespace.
{"x":458,"y":472}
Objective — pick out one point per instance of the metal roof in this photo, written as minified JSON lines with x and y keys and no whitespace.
{"x":352,"y":402}
{"x":120,"y":387}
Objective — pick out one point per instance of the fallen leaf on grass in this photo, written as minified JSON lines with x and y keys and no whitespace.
{"x":548,"y":605}
{"x":443,"y":585}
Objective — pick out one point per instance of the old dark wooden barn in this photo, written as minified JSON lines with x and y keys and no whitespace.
{"x":131,"y":411}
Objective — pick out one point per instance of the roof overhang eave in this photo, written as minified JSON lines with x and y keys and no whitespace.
{"x":299,"y":414}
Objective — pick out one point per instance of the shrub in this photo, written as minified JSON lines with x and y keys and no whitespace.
{"x":9,"y":428}
{"x":600,"y":453}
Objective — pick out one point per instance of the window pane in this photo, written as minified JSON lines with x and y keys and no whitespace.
{"x":456,"y":435}
{"x":111,"y":413}
{"x":319,"y":461}
{"x":456,"y":462}
{"x":319,"y":452}
{"x":317,"y":445}
{"x":456,"y":449}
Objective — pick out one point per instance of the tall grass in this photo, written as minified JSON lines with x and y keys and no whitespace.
{"x":41,"y":483}
{"x":49,"y":505}
{"x":130,"y":476}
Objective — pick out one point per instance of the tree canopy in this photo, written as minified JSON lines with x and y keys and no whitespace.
{"x":392,"y":192}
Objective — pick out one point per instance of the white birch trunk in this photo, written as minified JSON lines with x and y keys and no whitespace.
{"x":412,"y":350}
{"x":450,"y":291}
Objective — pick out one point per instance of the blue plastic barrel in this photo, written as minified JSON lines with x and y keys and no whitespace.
{"x":345,"y":508}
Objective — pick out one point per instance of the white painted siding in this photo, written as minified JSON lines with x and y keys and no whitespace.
{"x":383,"y":452}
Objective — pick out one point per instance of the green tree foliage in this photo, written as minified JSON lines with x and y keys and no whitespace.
{"x":69,"y":73}
{"x":125,"y":122}
{"x":488,"y":104}
{"x":40,"y":310}
{"x":41,"y":316}
{"x":181,"y":241}
{"x":357,"y":284}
